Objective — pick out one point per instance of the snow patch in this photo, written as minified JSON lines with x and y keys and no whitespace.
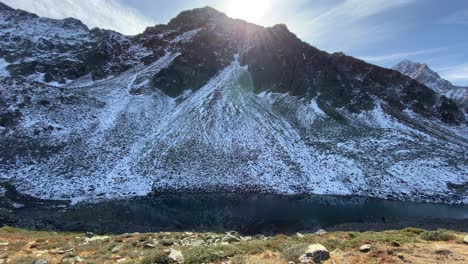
{"x":3,"y":71}
{"x":186,"y":36}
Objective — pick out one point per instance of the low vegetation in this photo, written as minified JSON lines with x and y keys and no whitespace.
{"x":409,"y":244}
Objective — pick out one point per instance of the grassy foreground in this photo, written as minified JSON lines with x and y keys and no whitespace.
{"x":409,"y":245}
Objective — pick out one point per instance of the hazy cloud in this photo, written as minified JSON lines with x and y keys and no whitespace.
{"x":110,"y":14}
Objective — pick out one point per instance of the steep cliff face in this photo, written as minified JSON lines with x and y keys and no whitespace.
{"x":210,"y":103}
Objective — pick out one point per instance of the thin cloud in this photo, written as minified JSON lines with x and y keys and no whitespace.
{"x":346,"y":22}
{"x":455,"y":73}
{"x":109,"y":14}
{"x":458,"y":18}
{"x":399,"y":55}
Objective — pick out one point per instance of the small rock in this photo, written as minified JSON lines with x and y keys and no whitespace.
{"x":197,"y":242}
{"x":315,"y":253}
{"x":192,"y":242}
{"x":63,"y":251}
{"x":465,"y":240}
{"x":365,"y":248}
{"x":122,"y":260}
{"x":73,"y":260}
{"x":233,"y":233}
{"x":176,"y":256}
{"x":3,"y":243}
{"x":395,"y":244}
{"x":41,"y":261}
{"x":260,"y":237}
{"x":246,"y":238}
{"x":230,"y":238}
{"x":443,"y":252}
{"x":299,"y":235}
{"x":96,"y":238}
{"x":166,"y":242}
{"x":115,"y":249}
{"x":320,"y":232}
{"x":148,"y":246}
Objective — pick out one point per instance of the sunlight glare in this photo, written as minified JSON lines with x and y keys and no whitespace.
{"x":249,"y":10}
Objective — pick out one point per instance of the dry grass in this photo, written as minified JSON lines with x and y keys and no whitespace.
{"x":407,"y":245}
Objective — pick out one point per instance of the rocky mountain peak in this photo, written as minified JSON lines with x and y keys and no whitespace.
{"x":196,"y":18}
{"x":71,"y":22}
{"x":424,"y":74}
{"x":414,"y":68}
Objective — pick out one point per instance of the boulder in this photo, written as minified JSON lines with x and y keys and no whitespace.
{"x":315,"y":253}
{"x":320,"y":232}
{"x":365,"y":248}
{"x":41,"y":261}
{"x":176,"y":255}
{"x":465,"y":240}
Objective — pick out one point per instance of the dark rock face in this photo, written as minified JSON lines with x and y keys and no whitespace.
{"x":62,"y":50}
{"x":278,"y":61}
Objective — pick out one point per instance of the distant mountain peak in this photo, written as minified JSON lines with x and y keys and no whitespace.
{"x":425,"y":75}
{"x":422,"y":73}
{"x":414,"y":67}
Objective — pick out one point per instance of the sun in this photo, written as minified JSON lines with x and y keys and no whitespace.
{"x":249,"y":10}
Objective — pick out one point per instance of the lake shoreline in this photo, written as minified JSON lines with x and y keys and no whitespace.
{"x":220,"y":212}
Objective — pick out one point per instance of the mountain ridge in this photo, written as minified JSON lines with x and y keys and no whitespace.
{"x":210,"y":103}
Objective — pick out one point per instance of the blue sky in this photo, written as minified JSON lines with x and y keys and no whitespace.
{"x":382,"y":32}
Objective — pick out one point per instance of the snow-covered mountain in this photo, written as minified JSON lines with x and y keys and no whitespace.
{"x":425,"y":75}
{"x":210,"y":103}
